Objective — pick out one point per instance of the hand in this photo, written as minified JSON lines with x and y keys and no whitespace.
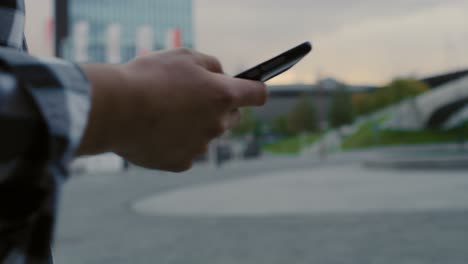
{"x":162,"y":110}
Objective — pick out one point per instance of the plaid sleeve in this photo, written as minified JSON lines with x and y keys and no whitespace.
{"x":12,"y":19}
{"x":44,"y":106}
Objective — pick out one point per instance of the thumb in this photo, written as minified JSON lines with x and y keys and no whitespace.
{"x":245,"y":92}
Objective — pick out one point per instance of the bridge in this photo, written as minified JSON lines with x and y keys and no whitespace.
{"x":433,"y":109}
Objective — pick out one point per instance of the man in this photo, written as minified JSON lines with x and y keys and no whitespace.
{"x":158,"y":111}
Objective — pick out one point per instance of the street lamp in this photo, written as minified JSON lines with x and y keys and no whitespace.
{"x":61,"y":25}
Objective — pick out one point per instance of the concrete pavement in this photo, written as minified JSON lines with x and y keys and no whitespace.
{"x":277,"y":210}
{"x":338,"y":189}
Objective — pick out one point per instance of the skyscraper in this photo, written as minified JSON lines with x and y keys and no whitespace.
{"x":117,"y":30}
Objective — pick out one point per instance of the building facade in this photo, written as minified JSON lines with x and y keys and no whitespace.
{"x":115,"y":31}
{"x":283,"y":99}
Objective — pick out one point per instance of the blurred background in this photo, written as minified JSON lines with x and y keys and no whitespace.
{"x":358,"y":157}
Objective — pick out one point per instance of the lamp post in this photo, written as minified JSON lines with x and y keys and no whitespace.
{"x":61,"y":25}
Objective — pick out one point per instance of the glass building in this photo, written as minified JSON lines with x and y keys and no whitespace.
{"x":117,"y":30}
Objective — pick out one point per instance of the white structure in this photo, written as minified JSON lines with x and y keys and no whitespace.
{"x":417,"y":113}
{"x":144,"y":40}
{"x":174,"y":38}
{"x":457,"y":119}
{"x":113,"y":43}
{"x":108,"y":162}
{"x":81,"y":41}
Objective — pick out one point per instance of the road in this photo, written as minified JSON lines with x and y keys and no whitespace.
{"x":277,"y":210}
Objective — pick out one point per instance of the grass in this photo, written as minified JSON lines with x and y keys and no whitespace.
{"x":292,"y":145}
{"x":368,"y":136}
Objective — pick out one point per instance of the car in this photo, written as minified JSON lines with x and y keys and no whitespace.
{"x":252,"y":149}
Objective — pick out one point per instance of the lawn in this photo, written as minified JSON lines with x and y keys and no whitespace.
{"x":292,"y":145}
{"x":368,"y":136}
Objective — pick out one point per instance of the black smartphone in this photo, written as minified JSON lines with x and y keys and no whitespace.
{"x":279,"y":64}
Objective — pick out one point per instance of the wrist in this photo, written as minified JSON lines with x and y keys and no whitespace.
{"x":103,"y":120}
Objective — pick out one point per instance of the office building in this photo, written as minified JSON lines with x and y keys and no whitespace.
{"x":117,"y":30}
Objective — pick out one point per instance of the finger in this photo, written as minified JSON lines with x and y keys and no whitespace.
{"x":209,"y":62}
{"x":231,"y":119}
{"x":246,"y":92}
{"x":203,"y":149}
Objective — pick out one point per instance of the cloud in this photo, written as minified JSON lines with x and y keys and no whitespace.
{"x":412,"y":45}
{"x":358,"y":40}
{"x":355,"y":40}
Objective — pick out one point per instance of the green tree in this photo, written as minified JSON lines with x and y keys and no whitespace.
{"x":392,"y":93}
{"x":303,"y":117}
{"x":362,"y":103}
{"x":280,"y":125}
{"x":403,"y":88}
{"x":341,"y":108}
{"x":247,"y":124}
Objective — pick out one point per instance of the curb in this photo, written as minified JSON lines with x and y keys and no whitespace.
{"x":446,"y":163}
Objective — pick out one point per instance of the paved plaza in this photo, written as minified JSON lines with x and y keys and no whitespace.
{"x":275,"y":210}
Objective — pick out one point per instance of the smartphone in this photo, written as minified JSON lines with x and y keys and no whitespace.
{"x":277,"y":65}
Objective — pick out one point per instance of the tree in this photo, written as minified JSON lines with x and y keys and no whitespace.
{"x":341,"y":109}
{"x":280,"y":125}
{"x":392,"y":93}
{"x":246,"y":125}
{"x":404,"y":88}
{"x":362,"y":103}
{"x":303,"y":117}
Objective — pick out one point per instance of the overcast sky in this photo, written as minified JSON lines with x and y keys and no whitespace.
{"x":357,"y":41}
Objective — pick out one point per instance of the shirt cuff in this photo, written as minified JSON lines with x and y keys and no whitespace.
{"x":61,"y":93}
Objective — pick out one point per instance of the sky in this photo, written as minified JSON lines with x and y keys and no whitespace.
{"x":356,"y":41}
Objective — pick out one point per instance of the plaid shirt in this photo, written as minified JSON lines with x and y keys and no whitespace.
{"x":44,"y":106}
